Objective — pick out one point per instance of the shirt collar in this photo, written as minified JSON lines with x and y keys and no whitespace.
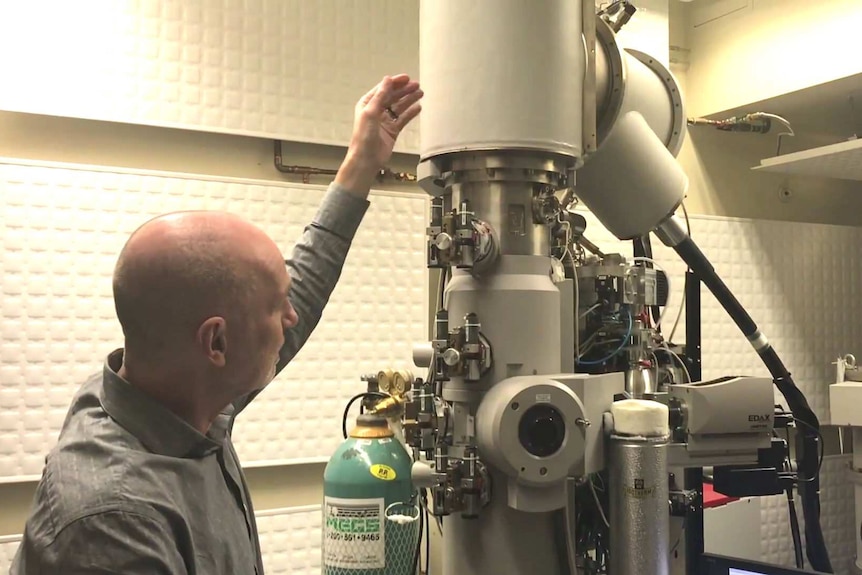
{"x":156,"y":427}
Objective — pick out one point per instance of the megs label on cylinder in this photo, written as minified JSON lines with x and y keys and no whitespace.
{"x":354,"y":533}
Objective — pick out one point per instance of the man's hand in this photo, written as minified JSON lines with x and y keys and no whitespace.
{"x":379,"y":118}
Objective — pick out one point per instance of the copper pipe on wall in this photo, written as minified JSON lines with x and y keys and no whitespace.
{"x":307,"y":171}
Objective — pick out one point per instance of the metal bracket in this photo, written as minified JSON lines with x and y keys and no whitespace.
{"x":683,"y":502}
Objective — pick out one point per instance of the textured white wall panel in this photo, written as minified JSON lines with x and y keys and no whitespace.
{"x":8,"y":547}
{"x":291,"y":540}
{"x":60,"y":232}
{"x":284,"y":69}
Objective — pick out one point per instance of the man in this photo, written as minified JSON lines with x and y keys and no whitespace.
{"x":144,"y":478}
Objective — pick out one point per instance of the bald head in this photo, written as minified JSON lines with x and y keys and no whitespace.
{"x":177,"y":270}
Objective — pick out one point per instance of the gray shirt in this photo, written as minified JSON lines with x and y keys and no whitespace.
{"x":131,"y":488}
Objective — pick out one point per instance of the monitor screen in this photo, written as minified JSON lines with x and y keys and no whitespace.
{"x":721,"y":565}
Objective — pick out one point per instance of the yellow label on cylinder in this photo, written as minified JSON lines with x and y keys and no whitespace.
{"x":383,"y":472}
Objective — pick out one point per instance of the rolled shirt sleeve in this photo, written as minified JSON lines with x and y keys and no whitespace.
{"x":317,"y":262}
{"x":315,"y":267}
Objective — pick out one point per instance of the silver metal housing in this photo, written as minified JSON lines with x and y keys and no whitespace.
{"x":630,"y":80}
{"x":733,"y":415}
{"x":501,"y":74}
{"x":536,"y":481}
{"x":507,"y":189}
{"x":524,"y":343}
{"x":633,"y":182}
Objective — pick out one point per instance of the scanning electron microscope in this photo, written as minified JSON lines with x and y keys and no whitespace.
{"x":557,"y":427}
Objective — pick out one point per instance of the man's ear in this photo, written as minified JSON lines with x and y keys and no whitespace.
{"x":212,"y":339}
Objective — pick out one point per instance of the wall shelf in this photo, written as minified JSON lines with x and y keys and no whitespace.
{"x":828,"y":112}
{"x":842,"y":161}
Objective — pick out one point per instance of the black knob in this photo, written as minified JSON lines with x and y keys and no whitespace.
{"x":542,"y":430}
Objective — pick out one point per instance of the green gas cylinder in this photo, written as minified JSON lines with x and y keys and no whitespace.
{"x":370,"y":508}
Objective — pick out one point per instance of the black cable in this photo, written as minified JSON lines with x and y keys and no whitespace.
{"x":822,"y":446}
{"x":418,"y":542}
{"x":642,"y":248}
{"x":818,"y":554}
{"x":350,"y":403}
{"x":794,"y":530}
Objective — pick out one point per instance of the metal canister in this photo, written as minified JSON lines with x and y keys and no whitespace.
{"x":370,"y":507}
{"x":639,"y":508}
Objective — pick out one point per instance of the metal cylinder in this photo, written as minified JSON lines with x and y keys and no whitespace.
{"x":634,"y":182}
{"x":519,"y":298}
{"x":367,"y":478}
{"x":639,"y":519}
{"x":641,"y":381}
{"x":501,"y":540}
{"x":506,"y":189}
{"x":501,"y":74}
{"x":423,"y":354}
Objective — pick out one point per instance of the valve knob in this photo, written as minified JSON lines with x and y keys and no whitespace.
{"x":443,"y":241}
{"x":451,"y":357}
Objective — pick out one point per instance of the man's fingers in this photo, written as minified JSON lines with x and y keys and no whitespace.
{"x":404,"y":103}
{"x":370,"y":94}
{"x":400,"y":80}
{"x":382,"y":98}
{"x":390,"y":90}
{"x":400,"y":94}
{"x":405,"y":117}
{"x":396,"y":82}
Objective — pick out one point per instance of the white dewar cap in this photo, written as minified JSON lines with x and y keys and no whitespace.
{"x":640,"y":417}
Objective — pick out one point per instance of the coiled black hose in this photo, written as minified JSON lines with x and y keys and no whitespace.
{"x":807,"y":457}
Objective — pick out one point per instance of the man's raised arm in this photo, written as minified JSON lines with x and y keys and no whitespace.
{"x":318,"y":258}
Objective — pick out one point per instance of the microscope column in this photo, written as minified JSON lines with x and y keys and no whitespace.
{"x":501,"y":540}
{"x":501,"y":129}
{"x":639,"y":523}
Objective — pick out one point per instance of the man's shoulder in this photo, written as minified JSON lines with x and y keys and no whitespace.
{"x":91,"y":469}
